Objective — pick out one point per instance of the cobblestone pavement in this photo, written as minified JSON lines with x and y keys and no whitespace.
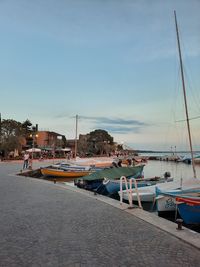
{"x":43,"y":225}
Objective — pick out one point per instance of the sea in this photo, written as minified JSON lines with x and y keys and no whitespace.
{"x":178,"y":170}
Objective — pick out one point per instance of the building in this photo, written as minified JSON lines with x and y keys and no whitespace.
{"x":48,"y":140}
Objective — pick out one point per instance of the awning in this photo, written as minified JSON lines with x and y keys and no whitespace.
{"x":33,"y":150}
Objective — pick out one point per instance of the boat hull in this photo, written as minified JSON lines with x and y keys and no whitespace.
{"x":165,"y":204}
{"x":189,"y":209}
{"x":113,"y":186}
{"x":63,"y":173}
{"x":189,"y":214}
{"x":145,"y":194}
{"x":166,"y":201}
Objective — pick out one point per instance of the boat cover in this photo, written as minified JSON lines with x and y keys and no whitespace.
{"x":115,"y":173}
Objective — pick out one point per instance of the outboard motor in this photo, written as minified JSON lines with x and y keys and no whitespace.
{"x":167,"y":175}
{"x":114,"y":164}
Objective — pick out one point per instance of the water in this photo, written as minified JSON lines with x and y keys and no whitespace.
{"x":178,"y":170}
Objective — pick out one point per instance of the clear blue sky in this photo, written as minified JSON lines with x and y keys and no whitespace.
{"x":114,"y":63}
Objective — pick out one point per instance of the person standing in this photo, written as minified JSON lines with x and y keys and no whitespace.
{"x":26,"y":160}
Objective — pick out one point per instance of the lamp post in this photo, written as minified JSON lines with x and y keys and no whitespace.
{"x":0,"y":130}
{"x":75,"y":147}
{"x":33,"y":136}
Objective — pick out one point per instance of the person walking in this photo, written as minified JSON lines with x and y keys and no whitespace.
{"x":26,"y":160}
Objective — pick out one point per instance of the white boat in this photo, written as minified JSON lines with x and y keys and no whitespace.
{"x":145,"y":196}
{"x":147,"y":193}
{"x":165,"y":202}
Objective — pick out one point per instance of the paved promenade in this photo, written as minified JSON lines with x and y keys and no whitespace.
{"x":45,"y":224}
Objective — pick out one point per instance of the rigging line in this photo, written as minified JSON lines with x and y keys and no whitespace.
{"x":194,"y":118}
{"x":196,"y":98}
{"x":194,"y":95}
{"x":176,"y":95}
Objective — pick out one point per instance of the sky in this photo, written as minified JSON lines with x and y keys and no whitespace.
{"x":113,"y":63}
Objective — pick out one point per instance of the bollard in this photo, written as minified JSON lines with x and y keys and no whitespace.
{"x":179,"y":222}
{"x":95,"y":192}
{"x":54,"y":181}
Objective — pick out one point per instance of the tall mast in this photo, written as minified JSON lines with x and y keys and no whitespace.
{"x":75,"y":149}
{"x":184,"y":94}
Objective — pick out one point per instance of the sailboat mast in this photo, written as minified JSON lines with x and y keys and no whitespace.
{"x":184,"y":94}
{"x":75,"y":149}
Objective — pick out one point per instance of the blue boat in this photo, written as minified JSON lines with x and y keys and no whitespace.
{"x":189,"y":209}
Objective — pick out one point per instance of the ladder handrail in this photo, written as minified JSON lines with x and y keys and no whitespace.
{"x":129,"y":191}
{"x":136,"y":189}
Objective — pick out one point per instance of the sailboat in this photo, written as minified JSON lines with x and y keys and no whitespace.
{"x":184,"y":196}
{"x":166,"y":194}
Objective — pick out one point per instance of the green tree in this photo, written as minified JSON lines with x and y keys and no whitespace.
{"x":27,"y":127}
{"x":99,"y":142}
{"x":12,"y":134}
{"x":10,"y":128}
{"x":10,"y":131}
{"x":101,"y":136}
{"x":64,"y":141}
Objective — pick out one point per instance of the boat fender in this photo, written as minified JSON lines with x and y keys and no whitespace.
{"x":105,"y":181}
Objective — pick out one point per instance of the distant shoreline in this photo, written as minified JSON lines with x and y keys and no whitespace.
{"x":152,"y":151}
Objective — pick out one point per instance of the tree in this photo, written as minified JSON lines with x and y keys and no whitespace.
{"x":64,"y":141}
{"x":13,"y":133}
{"x":10,"y":128}
{"x":27,"y":127}
{"x":99,"y":142}
{"x":100,"y":136}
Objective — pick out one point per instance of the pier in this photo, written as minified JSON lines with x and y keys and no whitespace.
{"x":50,"y":224}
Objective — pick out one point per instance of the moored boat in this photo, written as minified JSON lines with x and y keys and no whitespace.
{"x":111,"y":187}
{"x":95,"y":180}
{"x":68,"y":173}
{"x":189,"y":209}
{"x":166,"y":199}
{"x":146,"y":193}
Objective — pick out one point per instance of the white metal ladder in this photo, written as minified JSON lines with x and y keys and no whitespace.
{"x":129,"y":191}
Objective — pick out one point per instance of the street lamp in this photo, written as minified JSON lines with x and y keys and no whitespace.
{"x":33,"y":136}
